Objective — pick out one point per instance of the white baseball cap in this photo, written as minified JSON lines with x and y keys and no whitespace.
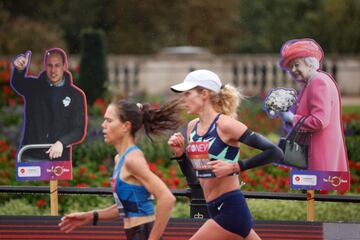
{"x":199,"y":78}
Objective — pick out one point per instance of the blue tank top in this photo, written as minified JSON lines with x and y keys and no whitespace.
{"x":202,"y":149}
{"x":135,"y":199}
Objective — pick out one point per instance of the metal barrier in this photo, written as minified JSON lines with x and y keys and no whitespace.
{"x":183,"y":193}
{"x":197,"y":203}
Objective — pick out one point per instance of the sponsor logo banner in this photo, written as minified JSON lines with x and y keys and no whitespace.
{"x":320,"y":180}
{"x":44,"y":170}
{"x":29,"y":171}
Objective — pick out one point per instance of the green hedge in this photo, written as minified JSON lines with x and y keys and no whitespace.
{"x":297,"y":210}
{"x":353,"y":147}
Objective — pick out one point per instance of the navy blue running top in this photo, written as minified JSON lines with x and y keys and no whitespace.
{"x":135,"y":199}
{"x":201,"y":149}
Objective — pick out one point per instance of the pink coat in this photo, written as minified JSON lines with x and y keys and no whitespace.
{"x":320,"y":100}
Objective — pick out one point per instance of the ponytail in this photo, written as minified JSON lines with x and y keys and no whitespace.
{"x":155,"y":121}
{"x":227,"y":100}
{"x":167,"y":117}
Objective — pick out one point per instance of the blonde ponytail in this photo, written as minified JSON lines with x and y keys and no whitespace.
{"x":227,"y":100}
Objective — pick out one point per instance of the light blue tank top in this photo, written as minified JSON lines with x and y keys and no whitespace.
{"x":135,"y":199}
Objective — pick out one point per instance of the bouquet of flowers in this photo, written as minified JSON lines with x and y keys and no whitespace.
{"x":279,"y":100}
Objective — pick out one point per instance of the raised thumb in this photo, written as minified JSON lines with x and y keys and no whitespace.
{"x":28,"y":55}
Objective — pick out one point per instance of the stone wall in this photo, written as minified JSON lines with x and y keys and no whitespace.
{"x":254,"y":73}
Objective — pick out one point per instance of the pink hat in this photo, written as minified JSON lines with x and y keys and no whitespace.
{"x":299,"y":48}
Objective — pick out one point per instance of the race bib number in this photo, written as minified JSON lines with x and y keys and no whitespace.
{"x":198,"y":153}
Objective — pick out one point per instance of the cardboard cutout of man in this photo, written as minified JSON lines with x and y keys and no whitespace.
{"x":55,"y":109}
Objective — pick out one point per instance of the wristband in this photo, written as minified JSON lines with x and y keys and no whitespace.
{"x":95,"y":217}
{"x":235,"y":170}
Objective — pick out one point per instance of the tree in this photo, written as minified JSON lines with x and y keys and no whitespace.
{"x":147,"y":26}
{"x":338,"y":24}
{"x":227,"y":26}
{"x":70,"y":16}
{"x":266,"y":25}
{"x":212,"y":24}
{"x":19,"y":34}
{"x":93,"y":71}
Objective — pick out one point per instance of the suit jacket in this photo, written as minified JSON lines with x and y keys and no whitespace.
{"x":320,"y":101}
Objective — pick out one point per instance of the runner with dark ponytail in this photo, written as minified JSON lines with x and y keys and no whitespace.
{"x":133,"y":183}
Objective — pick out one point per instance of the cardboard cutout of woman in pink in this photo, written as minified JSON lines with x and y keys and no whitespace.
{"x":318,"y":100}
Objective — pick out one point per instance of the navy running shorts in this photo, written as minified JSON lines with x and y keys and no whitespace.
{"x":231,"y":212}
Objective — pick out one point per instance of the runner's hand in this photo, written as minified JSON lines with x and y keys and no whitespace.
{"x":71,"y":221}
{"x":177,"y":144}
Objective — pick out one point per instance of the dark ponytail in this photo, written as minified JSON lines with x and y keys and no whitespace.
{"x":167,"y":117}
{"x":154,"y":120}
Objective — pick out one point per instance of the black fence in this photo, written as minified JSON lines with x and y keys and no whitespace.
{"x":197,"y":202}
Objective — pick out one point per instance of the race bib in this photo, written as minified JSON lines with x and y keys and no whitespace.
{"x":198,"y":153}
